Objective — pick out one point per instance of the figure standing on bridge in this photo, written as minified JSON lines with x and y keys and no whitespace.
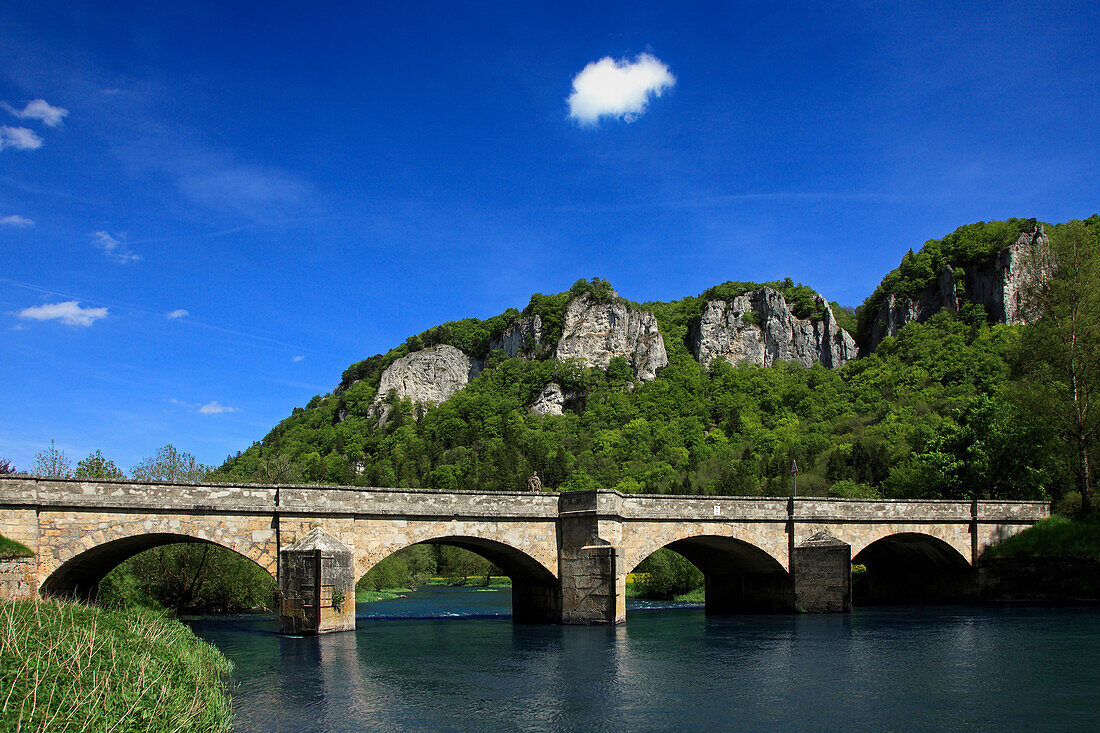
{"x":534,"y":483}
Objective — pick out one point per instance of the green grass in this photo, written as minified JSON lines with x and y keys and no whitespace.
{"x":696,"y":595}
{"x":70,"y":667}
{"x":1056,"y":536}
{"x":386,"y":594}
{"x":11,"y":548}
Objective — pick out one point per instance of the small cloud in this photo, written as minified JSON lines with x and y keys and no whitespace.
{"x":297,"y":359}
{"x":70,"y":313}
{"x":39,"y":109}
{"x":16,"y":222}
{"x":20,"y":138}
{"x":114,"y":248}
{"x":618,"y":88}
{"x":178,"y":313}
{"x":213,"y":408}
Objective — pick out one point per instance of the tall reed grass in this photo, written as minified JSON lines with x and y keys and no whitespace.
{"x":70,"y":667}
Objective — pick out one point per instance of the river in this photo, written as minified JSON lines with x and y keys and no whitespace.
{"x":450,"y":659}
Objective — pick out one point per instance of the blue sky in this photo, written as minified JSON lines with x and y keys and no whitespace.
{"x":304,"y":185}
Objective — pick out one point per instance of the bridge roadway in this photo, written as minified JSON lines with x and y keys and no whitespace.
{"x":567,"y":554}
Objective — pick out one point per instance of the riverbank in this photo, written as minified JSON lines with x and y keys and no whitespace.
{"x":1058,"y":559}
{"x":72,"y":667}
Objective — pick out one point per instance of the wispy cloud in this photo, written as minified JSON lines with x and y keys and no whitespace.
{"x":213,"y":408}
{"x":39,"y":109}
{"x":70,"y":313}
{"x":114,"y":247}
{"x":297,"y":359}
{"x":16,"y":222}
{"x":254,"y":192}
{"x":618,"y":88}
{"x":20,"y":138}
{"x":178,"y":313}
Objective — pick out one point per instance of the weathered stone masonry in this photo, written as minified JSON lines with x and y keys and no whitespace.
{"x":567,"y":554}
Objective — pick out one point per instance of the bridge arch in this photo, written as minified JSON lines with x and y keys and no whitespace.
{"x":739,"y":577}
{"x":79,"y":576}
{"x":642,"y":539}
{"x":912,"y":567}
{"x":536,"y":593}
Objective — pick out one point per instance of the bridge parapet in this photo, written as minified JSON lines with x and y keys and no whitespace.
{"x":135,"y":495}
{"x":704,"y":509}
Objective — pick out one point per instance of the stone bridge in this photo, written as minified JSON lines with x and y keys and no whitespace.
{"x":567,"y":554}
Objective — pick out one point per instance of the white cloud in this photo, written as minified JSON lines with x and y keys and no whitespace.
{"x":20,"y":138}
{"x":178,"y":313}
{"x":70,"y":313}
{"x":39,"y":109}
{"x":298,"y":359}
{"x":618,"y":88}
{"x":114,"y":248}
{"x":213,"y":408}
{"x":17,"y":222}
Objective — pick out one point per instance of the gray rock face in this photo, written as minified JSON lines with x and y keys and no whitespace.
{"x":759,"y":328}
{"x":596,"y":332}
{"x":429,"y":376}
{"x":550,"y":401}
{"x":1000,"y":288}
{"x":521,"y":338}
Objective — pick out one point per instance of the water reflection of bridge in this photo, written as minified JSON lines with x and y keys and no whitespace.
{"x":567,"y":554}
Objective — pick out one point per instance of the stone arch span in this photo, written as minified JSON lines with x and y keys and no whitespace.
{"x":955,"y":535}
{"x":739,"y":576}
{"x":70,"y":534}
{"x":642,"y":539}
{"x":536,"y":593}
{"x":79,"y":576}
{"x":912,"y":567}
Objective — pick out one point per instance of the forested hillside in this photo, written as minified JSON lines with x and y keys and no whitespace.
{"x":930,"y":413}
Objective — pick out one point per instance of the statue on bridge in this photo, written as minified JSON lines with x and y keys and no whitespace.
{"x":534,"y":483}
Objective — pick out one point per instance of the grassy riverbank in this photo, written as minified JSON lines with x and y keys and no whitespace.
{"x":70,"y":667}
{"x":1055,"y":536}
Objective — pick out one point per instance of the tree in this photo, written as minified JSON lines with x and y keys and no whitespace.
{"x":170,"y":465}
{"x":1059,"y":368}
{"x":96,"y":466}
{"x":51,"y":462}
{"x":6,"y":467}
{"x":278,"y":469}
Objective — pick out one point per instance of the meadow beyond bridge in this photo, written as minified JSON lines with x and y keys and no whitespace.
{"x":567,"y":554}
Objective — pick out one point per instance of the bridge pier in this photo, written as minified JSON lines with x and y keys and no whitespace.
{"x":822,"y":571}
{"x":591,"y":568}
{"x":316,"y":585}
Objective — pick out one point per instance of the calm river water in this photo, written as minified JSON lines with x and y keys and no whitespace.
{"x":451,"y":659}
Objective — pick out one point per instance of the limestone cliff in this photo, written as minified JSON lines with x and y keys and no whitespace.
{"x":596,"y":331}
{"x":521,"y":338}
{"x":999,"y":287}
{"x":429,"y":376}
{"x":759,"y":328}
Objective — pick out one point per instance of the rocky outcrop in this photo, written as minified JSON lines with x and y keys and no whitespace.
{"x":550,"y":401}
{"x":521,"y":338}
{"x":429,"y":376}
{"x":759,"y":328}
{"x":596,"y":331}
{"x":1000,"y":288}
